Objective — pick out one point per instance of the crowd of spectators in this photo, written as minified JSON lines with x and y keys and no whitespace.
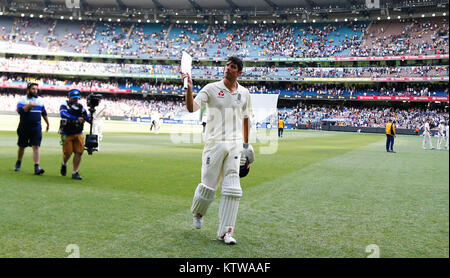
{"x":282,"y":40}
{"x":407,"y":37}
{"x":335,"y":90}
{"x":262,"y":41}
{"x":113,"y":106}
{"x":132,"y":85}
{"x":412,"y":118}
{"x":372,"y":72}
{"x":215,"y":72}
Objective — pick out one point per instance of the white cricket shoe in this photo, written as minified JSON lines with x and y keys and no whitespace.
{"x":198,"y":221}
{"x":227,"y":238}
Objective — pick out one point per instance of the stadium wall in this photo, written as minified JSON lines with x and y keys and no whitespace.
{"x":324,"y":127}
{"x":368,"y":129}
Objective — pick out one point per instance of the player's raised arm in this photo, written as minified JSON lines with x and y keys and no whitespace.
{"x":190,"y":104}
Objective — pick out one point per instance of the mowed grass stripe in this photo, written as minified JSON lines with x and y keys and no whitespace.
{"x":169,"y":169}
{"x":48,"y":221}
{"x":349,"y":206}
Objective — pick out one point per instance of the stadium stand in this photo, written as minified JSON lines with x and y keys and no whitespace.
{"x":405,"y":37}
{"x":257,"y":41}
{"x":212,"y":72}
{"x":361,"y":116}
{"x":114,"y":107}
{"x":136,"y":86}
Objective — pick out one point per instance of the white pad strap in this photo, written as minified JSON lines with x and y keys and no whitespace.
{"x":229,"y":204}
{"x":203,"y":197}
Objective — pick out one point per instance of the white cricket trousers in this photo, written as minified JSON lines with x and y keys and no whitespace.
{"x":97,"y":128}
{"x":219,"y":159}
{"x":427,"y":137}
{"x":220,"y":165}
{"x":441,"y":139}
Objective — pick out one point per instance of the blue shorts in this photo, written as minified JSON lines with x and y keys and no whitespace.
{"x":29,"y":137}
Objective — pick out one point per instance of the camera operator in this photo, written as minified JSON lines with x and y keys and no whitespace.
{"x":73,"y":115}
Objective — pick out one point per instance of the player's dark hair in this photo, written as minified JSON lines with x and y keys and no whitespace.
{"x":237,"y":61}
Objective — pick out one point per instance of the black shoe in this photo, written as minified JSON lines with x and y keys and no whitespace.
{"x":76,"y":176}
{"x":39,"y":171}
{"x":63,"y":170}
{"x":393,"y":151}
{"x":17,"y":166}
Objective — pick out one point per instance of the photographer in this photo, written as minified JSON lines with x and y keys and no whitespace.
{"x":73,"y":115}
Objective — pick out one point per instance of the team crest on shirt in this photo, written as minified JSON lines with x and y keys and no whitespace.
{"x":238,"y":99}
{"x":221,"y":94}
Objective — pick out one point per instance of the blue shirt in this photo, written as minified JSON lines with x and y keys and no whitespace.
{"x":72,"y":112}
{"x":32,"y":118}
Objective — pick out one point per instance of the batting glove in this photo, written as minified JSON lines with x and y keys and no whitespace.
{"x":248,"y":152}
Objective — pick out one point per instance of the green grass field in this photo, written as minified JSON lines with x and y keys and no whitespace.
{"x":322,"y":194}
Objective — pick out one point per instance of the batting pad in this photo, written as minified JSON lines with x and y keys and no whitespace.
{"x":229,"y":203}
{"x":203,"y":197}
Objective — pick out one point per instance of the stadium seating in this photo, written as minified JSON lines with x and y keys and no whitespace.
{"x":137,"y":86}
{"x":213,"y":72}
{"x":254,"y":41}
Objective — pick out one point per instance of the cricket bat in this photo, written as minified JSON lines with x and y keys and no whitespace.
{"x":186,"y":67}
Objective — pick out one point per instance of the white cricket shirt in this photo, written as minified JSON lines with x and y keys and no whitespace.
{"x":427,"y":128}
{"x":155,"y":116}
{"x":226,"y":111}
{"x":441,"y":129}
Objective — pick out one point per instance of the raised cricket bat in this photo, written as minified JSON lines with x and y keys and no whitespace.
{"x":186,"y":67}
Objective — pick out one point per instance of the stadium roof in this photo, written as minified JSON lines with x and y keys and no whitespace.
{"x":208,"y":9}
{"x":205,"y":4}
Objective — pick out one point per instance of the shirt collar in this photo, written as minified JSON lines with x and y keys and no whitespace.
{"x":223,"y":87}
